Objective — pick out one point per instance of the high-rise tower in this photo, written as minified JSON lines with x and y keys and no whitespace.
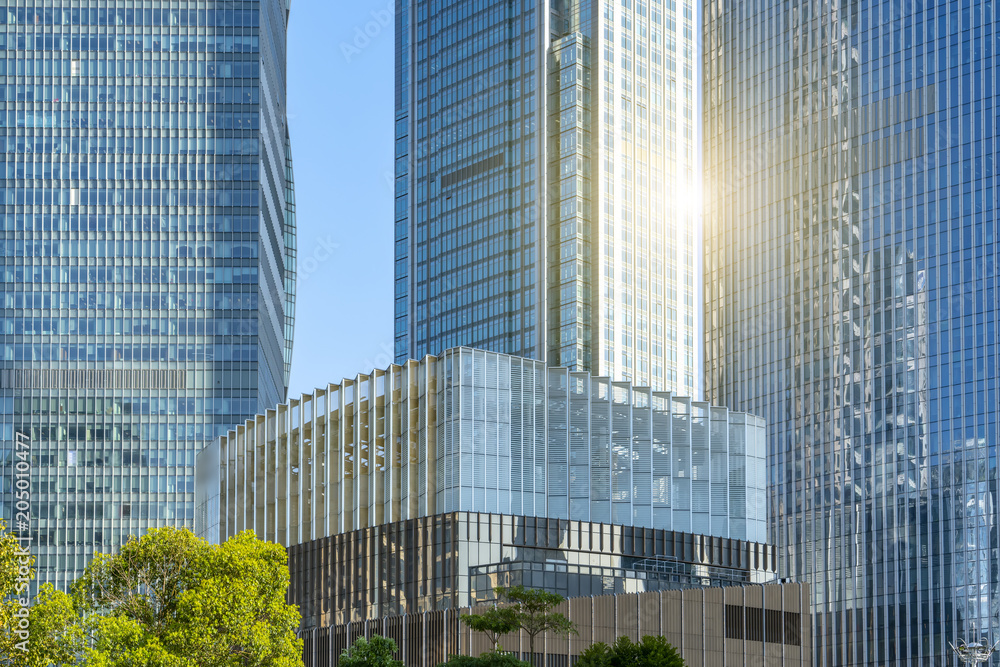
{"x":148,"y":242}
{"x":851,"y":302}
{"x":547,"y":158}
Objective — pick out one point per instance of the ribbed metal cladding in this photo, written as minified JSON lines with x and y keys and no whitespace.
{"x":767,"y":626}
{"x":485,"y":432}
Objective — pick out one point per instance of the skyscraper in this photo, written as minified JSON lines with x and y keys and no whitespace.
{"x":547,"y":179}
{"x":850,"y":284}
{"x":148,"y":254}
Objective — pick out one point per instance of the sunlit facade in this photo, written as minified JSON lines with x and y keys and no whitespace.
{"x":547,"y":182}
{"x":850,"y":286}
{"x":147,"y":238}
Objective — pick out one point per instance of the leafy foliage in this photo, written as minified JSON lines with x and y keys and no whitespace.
{"x":533,"y":612}
{"x":10,"y":551}
{"x":51,"y":634}
{"x":526,"y":609}
{"x":488,"y":659}
{"x":10,"y":605}
{"x":649,"y":652}
{"x":172,"y":600}
{"x":375,"y":651}
{"x":166,"y":600}
{"x":56,"y":635}
{"x":494,"y":623}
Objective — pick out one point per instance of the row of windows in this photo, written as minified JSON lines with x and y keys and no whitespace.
{"x":249,"y":69}
{"x":115,"y":484}
{"x":55,"y":565}
{"x":123,"y":120}
{"x":101,"y":433}
{"x":114,"y":458}
{"x":127,"y":197}
{"x":131,"y":43}
{"x":144,"y":433}
{"x":99,"y":510}
{"x":124,"y":352}
{"x":104,"y":94}
{"x":61,"y":326}
{"x":118,"y":274}
{"x":763,"y":625}
{"x":129,"y":120}
{"x":131,"y":171}
{"x":128,"y":145}
{"x":128,"y":300}
{"x":35,"y":16}
{"x":128,"y":223}
{"x":161,"y":249}
{"x":136,"y":405}
{"x":145,"y":510}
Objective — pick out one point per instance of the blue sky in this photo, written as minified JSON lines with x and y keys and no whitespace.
{"x":340,"y":107}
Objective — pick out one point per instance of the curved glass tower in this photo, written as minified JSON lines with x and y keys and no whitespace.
{"x":851,"y":302}
{"x":147,"y":238}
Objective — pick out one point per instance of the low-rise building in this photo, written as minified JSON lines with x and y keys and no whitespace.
{"x":477,"y":431}
{"x":407,"y":494}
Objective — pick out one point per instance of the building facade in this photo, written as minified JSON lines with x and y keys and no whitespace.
{"x":850,"y":281}
{"x":734,"y":626}
{"x":547,"y":180}
{"x":147,"y":250}
{"x":479,"y":431}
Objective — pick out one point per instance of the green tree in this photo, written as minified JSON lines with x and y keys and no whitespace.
{"x":375,"y":651}
{"x":12,"y":593}
{"x":10,"y":555}
{"x":649,"y":652}
{"x":170,"y":599}
{"x":43,"y":633}
{"x":56,"y":633}
{"x":494,"y":623}
{"x":533,"y":613}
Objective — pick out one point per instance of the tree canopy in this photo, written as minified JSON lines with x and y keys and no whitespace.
{"x":494,"y":623}
{"x":170,"y":599}
{"x":533,"y":612}
{"x":376,"y":651}
{"x":649,"y":652}
{"x":42,"y":634}
{"x":522,"y":609}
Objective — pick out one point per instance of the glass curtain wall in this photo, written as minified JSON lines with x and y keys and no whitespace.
{"x":851,"y":296}
{"x":143,"y":236}
{"x":547,"y":160}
